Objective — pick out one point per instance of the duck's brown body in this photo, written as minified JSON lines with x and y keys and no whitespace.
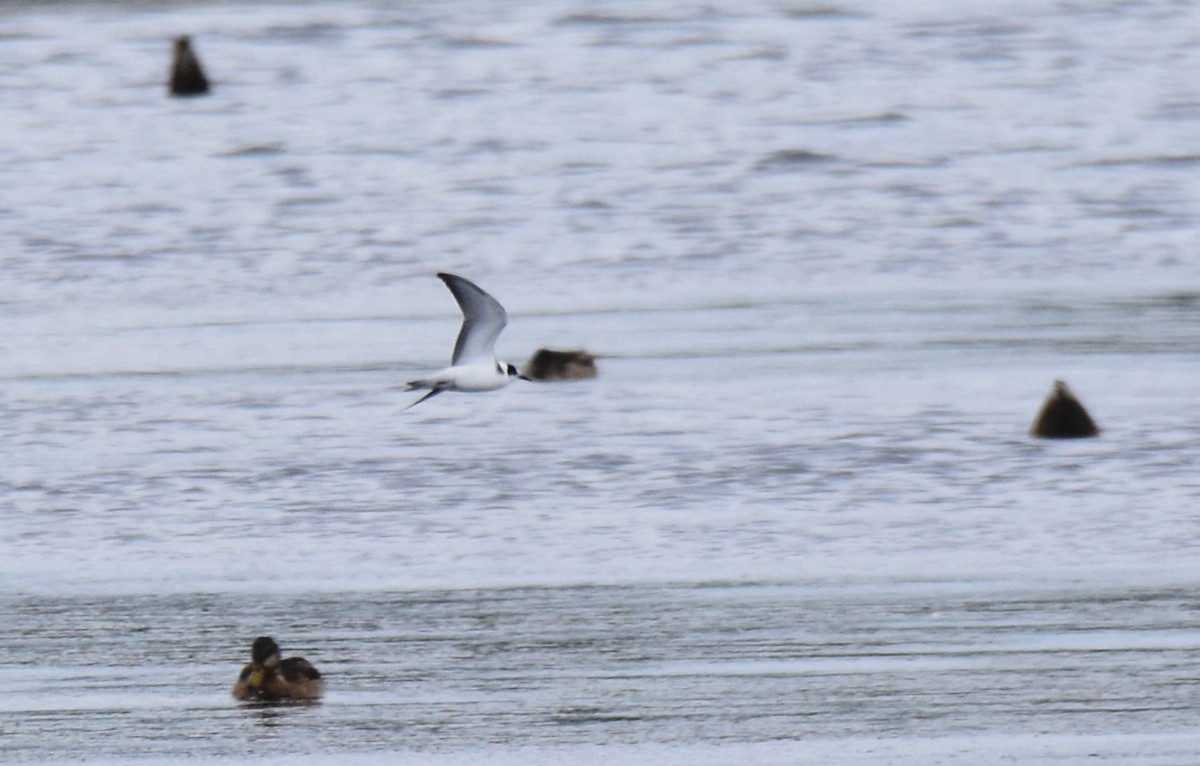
{"x":548,"y":364}
{"x":268,"y":678}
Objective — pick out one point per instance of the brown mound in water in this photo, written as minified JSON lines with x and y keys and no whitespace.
{"x":187,"y":76}
{"x":1063,"y":417}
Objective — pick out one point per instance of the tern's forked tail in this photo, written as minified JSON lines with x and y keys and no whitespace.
{"x":434,"y":392}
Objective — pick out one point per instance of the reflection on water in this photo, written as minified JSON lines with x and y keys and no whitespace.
{"x":273,"y":714}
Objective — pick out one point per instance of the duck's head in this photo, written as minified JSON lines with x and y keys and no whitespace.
{"x":265,"y":652}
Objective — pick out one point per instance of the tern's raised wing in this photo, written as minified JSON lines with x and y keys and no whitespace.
{"x":483,"y":319}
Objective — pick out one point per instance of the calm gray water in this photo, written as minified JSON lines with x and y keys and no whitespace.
{"x":832,"y":257}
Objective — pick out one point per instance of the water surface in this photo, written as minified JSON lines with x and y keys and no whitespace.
{"x":832,"y":258}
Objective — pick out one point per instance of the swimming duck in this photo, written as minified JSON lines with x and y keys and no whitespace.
{"x":269,"y":678}
{"x":548,"y":364}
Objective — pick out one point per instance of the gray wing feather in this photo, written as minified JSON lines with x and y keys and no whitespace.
{"x":483,"y":319}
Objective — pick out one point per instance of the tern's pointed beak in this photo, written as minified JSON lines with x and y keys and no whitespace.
{"x":523,"y":377}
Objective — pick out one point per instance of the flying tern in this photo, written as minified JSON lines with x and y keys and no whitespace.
{"x":474,"y":366}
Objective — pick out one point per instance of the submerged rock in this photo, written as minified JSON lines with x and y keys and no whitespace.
{"x":1063,"y":417}
{"x":187,"y":76}
{"x":547,"y":364}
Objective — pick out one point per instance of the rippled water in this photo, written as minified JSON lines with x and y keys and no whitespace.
{"x":632,"y":668}
{"x":832,"y":258}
